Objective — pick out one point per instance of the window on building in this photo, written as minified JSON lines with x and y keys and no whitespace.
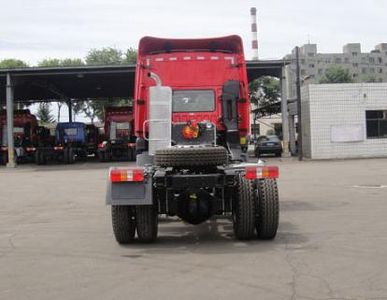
{"x":355,"y":65}
{"x":364,"y":70}
{"x":355,"y":75}
{"x":354,"y":53}
{"x":303,"y":72}
{"x":346,"y":60}
{"x":311,"y":65}
{"x":372,"y":70}
{"x":372,"y":60}
{"x":376,"y":123}
{"x":380,"y":70}
{"x":302,"y":61}
{"x":320,"y":71}
{"x":338,"y":60}
{"x":380,"y":60}
{"x":363,"y":60}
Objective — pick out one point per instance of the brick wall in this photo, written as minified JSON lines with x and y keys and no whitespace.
{"x":331,"y":108}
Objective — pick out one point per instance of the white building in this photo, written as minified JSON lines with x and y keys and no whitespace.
{"x":344,"y":120}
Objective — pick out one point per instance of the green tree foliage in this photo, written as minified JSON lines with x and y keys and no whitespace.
{"x":12,"y":63}
{"x":336,"y":74}
{"x":130,"y":56}
{"x":44,"y":113}
{"x":265,"y":95}
{"x":105,"y":56}
{"x":56,"y":62}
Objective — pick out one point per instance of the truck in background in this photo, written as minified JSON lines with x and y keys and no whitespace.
{"x":73,"y":141}
{"x":119,"y":140}
{"x":25,"y":137}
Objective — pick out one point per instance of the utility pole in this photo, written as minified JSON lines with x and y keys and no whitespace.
{"x":298,"y":85}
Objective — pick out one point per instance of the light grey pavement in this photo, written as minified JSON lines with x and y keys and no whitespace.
{"x":56,"y":240}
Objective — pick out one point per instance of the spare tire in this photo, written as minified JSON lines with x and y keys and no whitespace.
{"x":191,"y":156}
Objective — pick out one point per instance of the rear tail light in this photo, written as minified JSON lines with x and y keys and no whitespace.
{"x":57,"y":148}
{"x":126,"y":174}
{"x":30,"y":149}
{"x":261,"y":172}
{"x":131,"y":145}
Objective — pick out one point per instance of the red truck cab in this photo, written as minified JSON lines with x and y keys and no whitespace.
{"x":119,"y":140}
{"x":25,"y":137}
{"x":198,"y":72}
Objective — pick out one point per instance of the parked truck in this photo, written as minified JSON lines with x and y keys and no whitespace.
{"x":25,"y":137}
{"x":71,"y":143}
{"x":192,"y":117}
{"x":120,"y":141}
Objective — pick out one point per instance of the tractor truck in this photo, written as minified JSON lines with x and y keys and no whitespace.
{"x":119,"y":142}
{"x":25,"y":136}
{"x":73,"y":140}
{"x":191,"y":120}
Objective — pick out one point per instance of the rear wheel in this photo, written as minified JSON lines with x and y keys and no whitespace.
{"x":40,"y":158}
{"x":244,"y":210}
{"x":131,"y":154}
{"x":102,"y":156}
{"x":69,"y":156}
{"x":124,"y":225}
{"x":146,"y":221}
{"x":267,"y":209}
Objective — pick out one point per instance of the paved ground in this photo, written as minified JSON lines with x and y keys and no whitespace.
{"x":56,"y":241}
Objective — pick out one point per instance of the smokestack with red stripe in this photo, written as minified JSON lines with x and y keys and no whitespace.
{"x":254,"y":33}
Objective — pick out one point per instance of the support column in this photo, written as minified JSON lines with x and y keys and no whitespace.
{"x":299,"y":114}
{"x":292,"y":133}
{"x":10,"y":140}
{"x":70,"y":106}
{"x":284,"y":114}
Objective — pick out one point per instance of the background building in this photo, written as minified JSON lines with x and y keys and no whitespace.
{"x":363,"y":67}
{"x":344,"y":120}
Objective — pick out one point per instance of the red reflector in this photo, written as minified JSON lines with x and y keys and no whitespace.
{"x":126,"y":175}
{"x":261,"y":172}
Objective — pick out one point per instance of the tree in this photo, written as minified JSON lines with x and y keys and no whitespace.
{"x":44,"y":113}
{"x":104,"y":56}
{"x":130,"y":56}
{"x":265,"y":95}
{"x":336,"y":74}
{"x":12,"y":63}
{"x":56,"y":62}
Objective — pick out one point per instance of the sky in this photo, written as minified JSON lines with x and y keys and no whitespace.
{"x":34,"y":30}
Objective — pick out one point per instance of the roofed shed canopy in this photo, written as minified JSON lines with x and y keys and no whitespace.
{"x":52,"y":84}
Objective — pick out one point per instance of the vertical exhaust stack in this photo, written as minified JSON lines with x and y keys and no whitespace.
{"x":254,"y":33}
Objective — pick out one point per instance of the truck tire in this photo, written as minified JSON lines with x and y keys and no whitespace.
{"x":267,"y":209}
{"x":146,"y":223}
{"x":131,"y":154}
{"x":4,"y":159}
{"x":191,"y":157}
{"x":124,"y":224}
{"x":40,"y":158}
{"x":68,"y":155}
{"x":244,"y":210}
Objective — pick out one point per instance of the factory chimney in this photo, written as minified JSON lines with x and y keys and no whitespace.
{"x":254,"y":34}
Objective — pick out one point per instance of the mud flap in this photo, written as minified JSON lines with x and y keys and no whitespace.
{"x":129,"y":193}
